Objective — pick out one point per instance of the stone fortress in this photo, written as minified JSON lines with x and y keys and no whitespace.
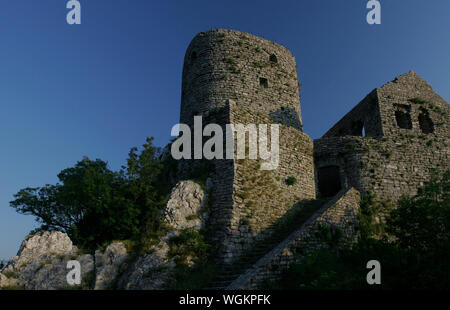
{"x":263,"y":220}
{"x":387,"y":145}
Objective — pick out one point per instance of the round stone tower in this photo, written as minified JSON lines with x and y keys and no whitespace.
{"x":231,"y":77}
{"x":228,"y":64}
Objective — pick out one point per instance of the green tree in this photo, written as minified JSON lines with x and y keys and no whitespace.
{"x":145,"y":180}
{"x":95,"y":205}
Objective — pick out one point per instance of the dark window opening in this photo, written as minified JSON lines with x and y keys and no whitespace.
{"x":357,"y":128}
{"x":193,"y":56}
{"x":273,"y":58}
{"x":425,"y":122}
{"x":403,"y":119}
{"x":263,"y":82}
{"x":329,"y":181}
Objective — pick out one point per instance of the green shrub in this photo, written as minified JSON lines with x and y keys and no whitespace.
{"x":291,"y":181}
{"x":417,"y":100}
{"x":188,"y":244}
{"x":191,"y":245}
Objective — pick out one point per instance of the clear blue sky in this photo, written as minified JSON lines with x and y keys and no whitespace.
{"x":99,"y":88}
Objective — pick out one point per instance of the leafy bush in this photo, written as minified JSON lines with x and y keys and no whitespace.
{"x":195,"y":266}
{"x":423,"y":222}
{"x":189,"y":244}
{"x":291,"y":181}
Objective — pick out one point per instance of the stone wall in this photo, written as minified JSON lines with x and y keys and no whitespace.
{"x":391,"y":161}
{"x":363,"y":117}
{"x":388,"y":168}
{"x":262,"y":197}
{"x":227,"y":64}
{"x":246,"y":201}
{"x":340,"y":214}
{"x":412,"y":95}
{"x":406,"y":106}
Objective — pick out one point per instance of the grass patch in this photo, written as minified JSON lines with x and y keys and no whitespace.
{"x":417,"y":100}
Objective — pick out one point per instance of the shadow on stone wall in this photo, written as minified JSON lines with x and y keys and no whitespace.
{"x":288,"y":117}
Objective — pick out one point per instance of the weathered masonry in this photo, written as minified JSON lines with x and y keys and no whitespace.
{"x":388,"y":144}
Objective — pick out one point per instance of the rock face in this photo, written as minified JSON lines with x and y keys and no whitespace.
{"x":186,"y":206}
{"x":7,"y":282}
{"x":109,"y":264}
{"x":41,"y":263}
{"x":185,"y":209}
{"x":149,"y":272}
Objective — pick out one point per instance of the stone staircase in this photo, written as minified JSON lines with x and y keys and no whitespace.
{"x":232,"y":271}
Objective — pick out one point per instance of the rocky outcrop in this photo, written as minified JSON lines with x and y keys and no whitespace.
{"x":6,"y":282}
{"x":186,"y":206}
{"x":109,"y":264}
{"x":151,"y":271}
{"x":41,"y":263}
{"x":185,"y":209}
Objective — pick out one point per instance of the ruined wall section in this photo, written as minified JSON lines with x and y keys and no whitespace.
{"x":410,"y":107}
{"x":389,"y":168}
{"x":415,"y":126}
{"x":363,"y":117}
